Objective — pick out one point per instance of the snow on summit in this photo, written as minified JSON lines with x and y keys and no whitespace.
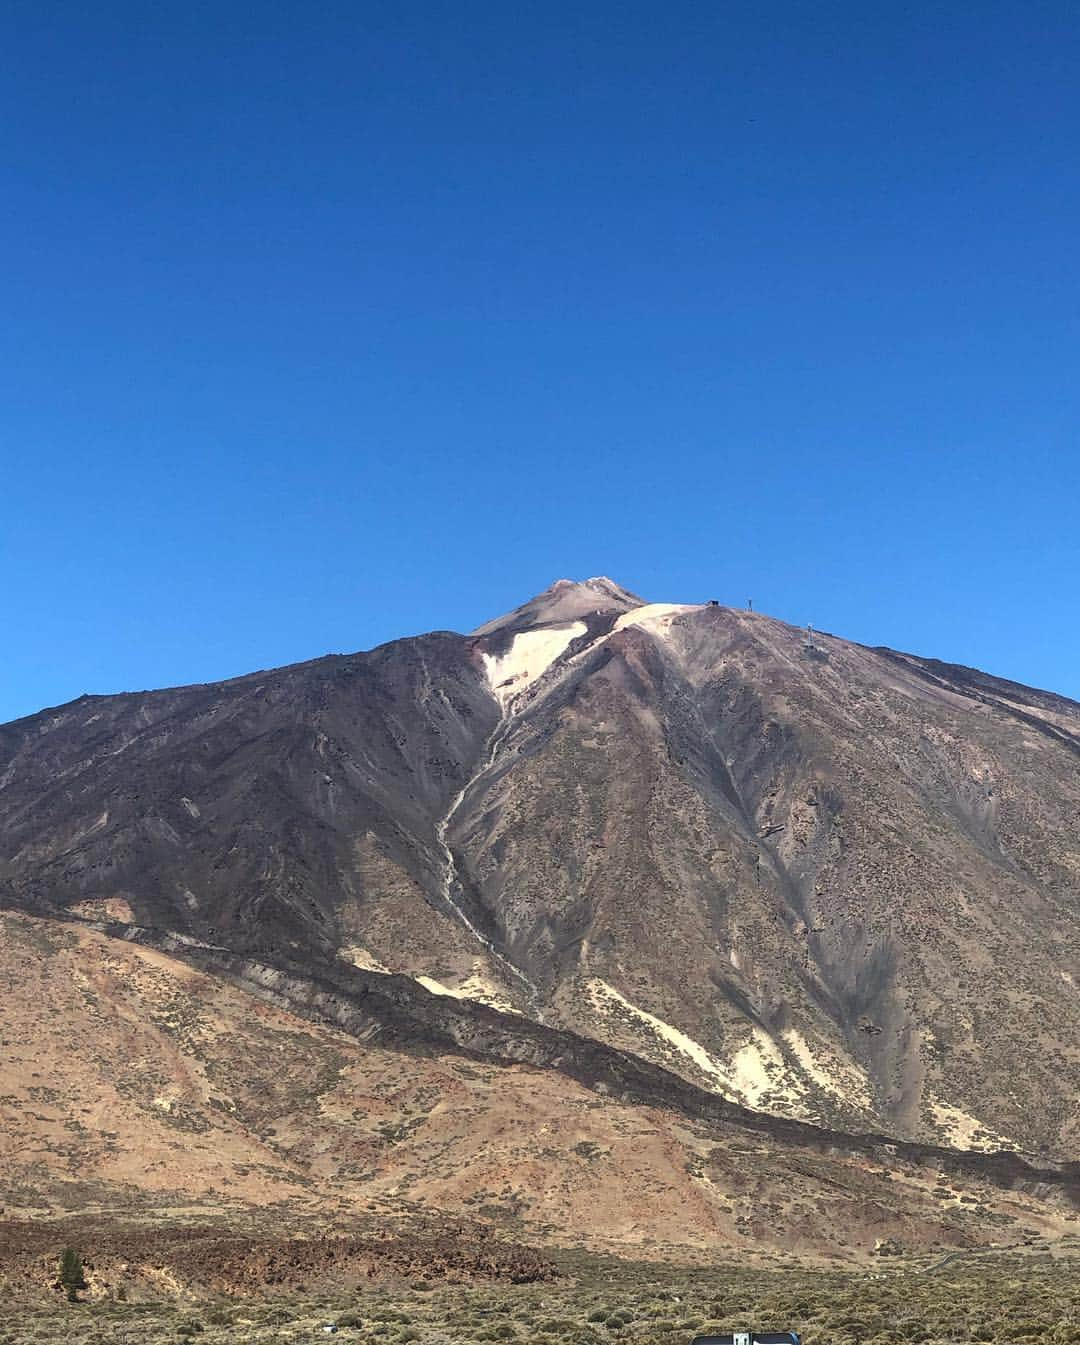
{"x":545,"y":627}
{"x":653,"y":613}
{"x":530,"y":655}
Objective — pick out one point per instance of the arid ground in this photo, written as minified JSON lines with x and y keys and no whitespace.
{"x":208,"y":1288}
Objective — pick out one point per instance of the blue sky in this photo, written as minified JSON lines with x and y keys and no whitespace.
{"x":326,"y":323}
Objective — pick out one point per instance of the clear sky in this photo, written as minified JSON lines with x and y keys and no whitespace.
{"x":325,"y":323}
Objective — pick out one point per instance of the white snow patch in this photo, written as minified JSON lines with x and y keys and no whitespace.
{"x":530,"y":655}
{"x":655,"y":614}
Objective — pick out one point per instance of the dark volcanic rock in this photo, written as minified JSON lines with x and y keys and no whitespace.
{"x":233,"y":811}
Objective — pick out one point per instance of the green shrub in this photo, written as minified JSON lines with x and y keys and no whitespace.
{"x":70,"y":1274}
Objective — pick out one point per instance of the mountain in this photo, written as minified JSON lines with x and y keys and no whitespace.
{"x":791,"y":878}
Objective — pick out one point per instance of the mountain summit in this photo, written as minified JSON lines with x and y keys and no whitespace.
{"x":808,"y":878}
{"x":566,"y":600}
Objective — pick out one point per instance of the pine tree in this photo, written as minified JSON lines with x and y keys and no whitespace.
{"x":71,"y":1275}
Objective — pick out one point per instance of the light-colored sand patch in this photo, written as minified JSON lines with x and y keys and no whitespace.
{"x":756,"y":1069}
{"x":475,"y":987}
{"x":654,"y":614}
{"x":530,"y":655}
{"x":603,"y":996}
{"x":436,"y":987}
{"x":104,"y":908}
{"x":964,"y":1131}
{"x":836,"y":1076}
{"x":362,"y":957}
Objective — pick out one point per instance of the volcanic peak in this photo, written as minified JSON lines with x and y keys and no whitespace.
{"x":566,"y":600}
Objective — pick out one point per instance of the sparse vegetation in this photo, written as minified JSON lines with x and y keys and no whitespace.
{"x":986,"y":1299}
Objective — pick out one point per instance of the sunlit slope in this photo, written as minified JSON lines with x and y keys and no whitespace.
{"x":135,"y":1084}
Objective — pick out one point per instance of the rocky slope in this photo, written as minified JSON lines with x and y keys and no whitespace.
{"x":832,"y":883}
{"x":170,"y":1092}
